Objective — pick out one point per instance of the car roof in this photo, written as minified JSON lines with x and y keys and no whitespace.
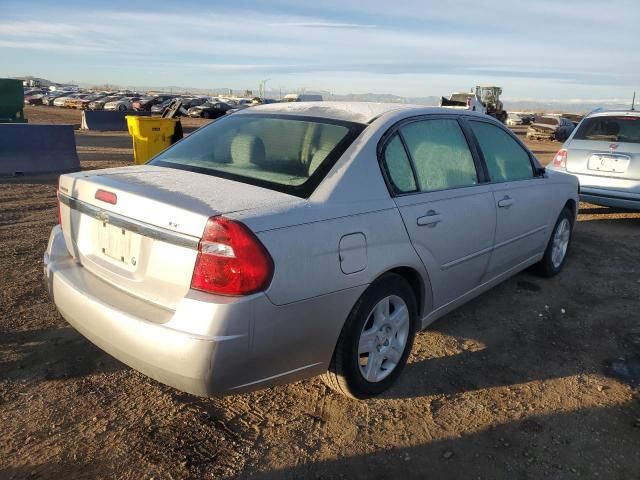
{"x":357,"y":112}
{"x":614,"y":113}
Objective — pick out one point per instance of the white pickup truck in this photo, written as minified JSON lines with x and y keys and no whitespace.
{"x":463,"y":101}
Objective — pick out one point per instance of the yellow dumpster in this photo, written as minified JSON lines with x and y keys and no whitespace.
{"x":151,"y":135}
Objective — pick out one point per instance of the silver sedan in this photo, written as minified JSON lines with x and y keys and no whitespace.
{"x":291,"y":240}
{"x":604,"y":155}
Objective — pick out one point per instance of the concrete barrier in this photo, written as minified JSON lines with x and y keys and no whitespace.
{"x":29,"y":148}
{"x":103,"y":121}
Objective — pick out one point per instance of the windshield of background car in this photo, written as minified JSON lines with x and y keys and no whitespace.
{"x":610,"y":128}
{"x":282,"y":152}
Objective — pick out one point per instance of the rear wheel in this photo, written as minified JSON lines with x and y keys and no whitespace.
{"x":375,"y":341}
{"x":556,"y":253}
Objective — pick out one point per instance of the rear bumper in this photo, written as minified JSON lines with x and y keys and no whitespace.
{"x":209,"y":345}
{"x":609,"y":191}
{"x":609,"y":198}
{"x":174,"y":356}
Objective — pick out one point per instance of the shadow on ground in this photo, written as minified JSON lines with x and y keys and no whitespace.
{"x":77,"y":470}
{"x":516,"y":450}
{"x":50,"y":354}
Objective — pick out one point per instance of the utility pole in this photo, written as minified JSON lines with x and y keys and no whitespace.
{"x":633,"y":101}
{"x":263,"y":87}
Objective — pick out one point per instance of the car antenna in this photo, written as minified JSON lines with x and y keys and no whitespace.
{"x":633,"y":101}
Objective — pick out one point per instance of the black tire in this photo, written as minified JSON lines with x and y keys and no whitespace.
{"x":546,"y":267}
{"x":344,"y":375}
{"x":206,"y":115}
{"x":122,"y":108}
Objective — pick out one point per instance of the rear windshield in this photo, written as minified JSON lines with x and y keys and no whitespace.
{"x":282,"y":152}
{"x":610,"y":129}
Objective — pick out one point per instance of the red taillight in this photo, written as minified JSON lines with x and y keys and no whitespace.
{"x":108,"y":197}
{"x":560,"y":160}
{"x":231,"y":260}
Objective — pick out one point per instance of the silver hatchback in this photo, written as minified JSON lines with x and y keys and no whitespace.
{"x":291,"y":240}
{"x":604,"y":155}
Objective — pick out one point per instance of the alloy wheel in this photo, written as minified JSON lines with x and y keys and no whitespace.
{"x":560,"y":242}
{"x":383,"y":338}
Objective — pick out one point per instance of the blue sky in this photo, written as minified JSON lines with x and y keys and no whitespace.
{"x":534,"y":49}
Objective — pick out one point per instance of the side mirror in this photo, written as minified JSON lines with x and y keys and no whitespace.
{"x":540,"y":171}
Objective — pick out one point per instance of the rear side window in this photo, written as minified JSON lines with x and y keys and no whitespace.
{"x":505,"y":158}
{"x":398,"y":166}
{"x":610,"y":129}
{"x":440,"y":154}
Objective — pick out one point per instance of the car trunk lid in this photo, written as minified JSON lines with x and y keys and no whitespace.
{"x":604,"y":158}
{"x":138,"y":228}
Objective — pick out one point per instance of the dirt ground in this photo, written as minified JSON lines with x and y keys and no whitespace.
{"x":511,"y":386}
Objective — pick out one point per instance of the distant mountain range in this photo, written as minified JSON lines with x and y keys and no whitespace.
{"x":511,"y":105}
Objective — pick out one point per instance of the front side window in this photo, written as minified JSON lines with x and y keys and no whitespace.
{"x":279,"y":152}
{"x":505,"y":158}
{"x":440,"y":154}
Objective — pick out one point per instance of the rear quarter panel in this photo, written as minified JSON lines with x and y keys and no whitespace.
{"x":307,"y":257}
{"x":564,"y":187}
{"x":312,"y":294}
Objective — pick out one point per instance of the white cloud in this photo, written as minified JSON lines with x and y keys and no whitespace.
{"x":408,"y":47}
{"x":51,"y":47}
{"x":321,"y":25}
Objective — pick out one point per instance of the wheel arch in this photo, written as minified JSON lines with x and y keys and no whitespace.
{"x":421,"y":286}
{"x":571,"y":205}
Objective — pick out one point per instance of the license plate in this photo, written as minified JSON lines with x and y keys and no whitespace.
{"x":115,"y":242}
{"x":608,"y":163}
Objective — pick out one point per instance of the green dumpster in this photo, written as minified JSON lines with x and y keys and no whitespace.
{"x":11,"y":101}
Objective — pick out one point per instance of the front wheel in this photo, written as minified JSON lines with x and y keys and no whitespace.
{"x":122,"y":108}
{"x":556,"y":253}
{"x":375,"y":340}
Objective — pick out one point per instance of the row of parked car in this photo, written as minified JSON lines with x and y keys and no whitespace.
{"x":122,"y":101}
{"x":545,"y":127}
{"x":193,"y":106}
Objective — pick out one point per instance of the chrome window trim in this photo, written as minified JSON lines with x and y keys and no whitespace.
{"x":144,"y":229}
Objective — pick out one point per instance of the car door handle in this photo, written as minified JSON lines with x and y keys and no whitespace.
{"x":431,"y":219}
{"x":506,"y":202}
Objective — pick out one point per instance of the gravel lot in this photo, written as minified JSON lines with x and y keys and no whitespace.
{"x":512,"y":385}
